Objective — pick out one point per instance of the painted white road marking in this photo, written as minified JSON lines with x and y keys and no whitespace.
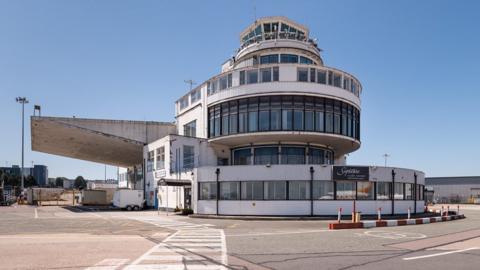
{"x":440,"y":254}
{"x":108,"y":264}
{"x":192,"y":246}
{"x":394,"y":235}
{"x":279,"y":233}
{"x":36,"y":213}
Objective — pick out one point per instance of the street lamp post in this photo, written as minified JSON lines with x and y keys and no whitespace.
{"x":23,"y":101}
{"x":386,"y":156}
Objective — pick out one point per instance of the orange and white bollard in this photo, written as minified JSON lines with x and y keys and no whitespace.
{"x":339,"y":218}
{"x":379,"y":214}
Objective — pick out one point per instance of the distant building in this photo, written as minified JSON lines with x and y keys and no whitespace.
{"x":39,"y":172}
{"x":102,"y":184}
{"x":460,"y":189}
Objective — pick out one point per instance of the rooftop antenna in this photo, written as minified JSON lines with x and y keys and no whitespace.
{"x":191,"y":83}
{"x":254,"y":11}
{"x":386,"y":156}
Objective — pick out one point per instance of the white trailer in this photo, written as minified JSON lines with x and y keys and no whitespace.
{"x":128,"y":199}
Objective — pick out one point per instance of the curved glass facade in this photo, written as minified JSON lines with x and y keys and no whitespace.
{"x":281,"y":154}
{"x":283,"y":113}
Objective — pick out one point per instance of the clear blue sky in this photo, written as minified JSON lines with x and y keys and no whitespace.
{"x":418,"y":62}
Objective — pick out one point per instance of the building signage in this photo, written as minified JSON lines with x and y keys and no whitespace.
{"x":160,"y":174}
{"x":350,"y":173}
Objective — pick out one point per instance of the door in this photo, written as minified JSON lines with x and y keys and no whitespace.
{"x":187,"y":197}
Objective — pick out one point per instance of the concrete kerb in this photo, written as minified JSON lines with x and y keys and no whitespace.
{"x":390,"y":223}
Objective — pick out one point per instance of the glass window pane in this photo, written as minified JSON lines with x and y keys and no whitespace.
{"x":208,"y":190}
{"x":408,"y":191}
{"x":365,"y":190}
{"x":229,"y":191}
{"x":275,"y":120}
{"x":384,"y":191}
{"x":399,"y":191}
{"x":322,"y":190}
{"x":346,"y":190}
{"x":252,"y":121}
{"x":266,"y":74}
{"x":316,"y":156}
{"x":309,"y":123}
{"x":264,"y":120}
{"x":298,"y":190}
{"x":276,"y":74}
{"x":321,"y":76}
{"x":275,"y":190}
{"x":252,"y":190}
{"x":252,"y":76}
{"x":302,"y":75}
{"x":293,"y":155}
{"x":242,"y":77}
{"x":298,"y":120}
{"x":266,"y":155}
{"x":242,"y":157}
{"x":288,"y":58}
{"x":188,"y":156}
{"x":287,"y":123}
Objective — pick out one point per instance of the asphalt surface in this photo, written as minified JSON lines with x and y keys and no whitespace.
{"x":58,"y":238}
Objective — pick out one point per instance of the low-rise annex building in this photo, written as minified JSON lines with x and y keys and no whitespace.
{"x":269,"y":135}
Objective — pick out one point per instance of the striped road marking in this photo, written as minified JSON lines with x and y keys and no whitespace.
{"x":191,"y":247}
{"x":108,"y":264}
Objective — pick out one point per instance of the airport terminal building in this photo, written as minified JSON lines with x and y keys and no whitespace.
{"x":268,"y":135}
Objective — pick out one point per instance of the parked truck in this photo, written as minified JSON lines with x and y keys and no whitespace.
{"x":128,"y":199}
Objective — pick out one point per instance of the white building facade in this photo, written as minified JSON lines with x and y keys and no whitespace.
{"x":269,"y":135}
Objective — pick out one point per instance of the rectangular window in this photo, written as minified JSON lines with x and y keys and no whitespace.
{"x":252,"y":121}
{"x":252,"y":76}
{"x":302,"y":74}
{"x":409,"y":191}
{"x":298,"y":120}
{"x":309,"y":121}
{"x":305,"y":60}
{"x":346,"y":190}
{"x":330,"y":77}
{"x":298,"y":190}
{"x":337,"y":80}
{"x":287,"y":122}
{"x":293,"y":155}
{"x":276,"y":74}
{"x":150,"y":158}
{"x":188,"y":157}
{"x":207,"y":190}
{"x":160,"y":158}
{"x":399,"y":191}
{"x":242,"y":157}
{"x":242,"y":77}
{"x":312,"y":74}
{"x":275,"y":190}
{"x":321,"y":77}
{"x":225,"y":118}
{"x":229,"y":80}
{"x":266,"y":155}
{"x":184,"y":102}
{"x":266,"y":74}
{"x":233,"y":125}
{"x":264,"y":120}
{"x":243,"y":116}
{"x":252,"y":190}
{"x":195,"y":95}
{"x":289,"y":58}
{"x":217,"y":120}
{"x":269,"y":59}
{"x":384,"y":191}
{"x":365,"y":190}
{"x":223,"y":82}
{"x":316,"y":156}
{"x":229,"y":190}
{"x":322,"y":190}
{"x":190,"y":129}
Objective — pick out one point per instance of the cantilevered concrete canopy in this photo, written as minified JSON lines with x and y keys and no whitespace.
{"x":114,"y":142}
